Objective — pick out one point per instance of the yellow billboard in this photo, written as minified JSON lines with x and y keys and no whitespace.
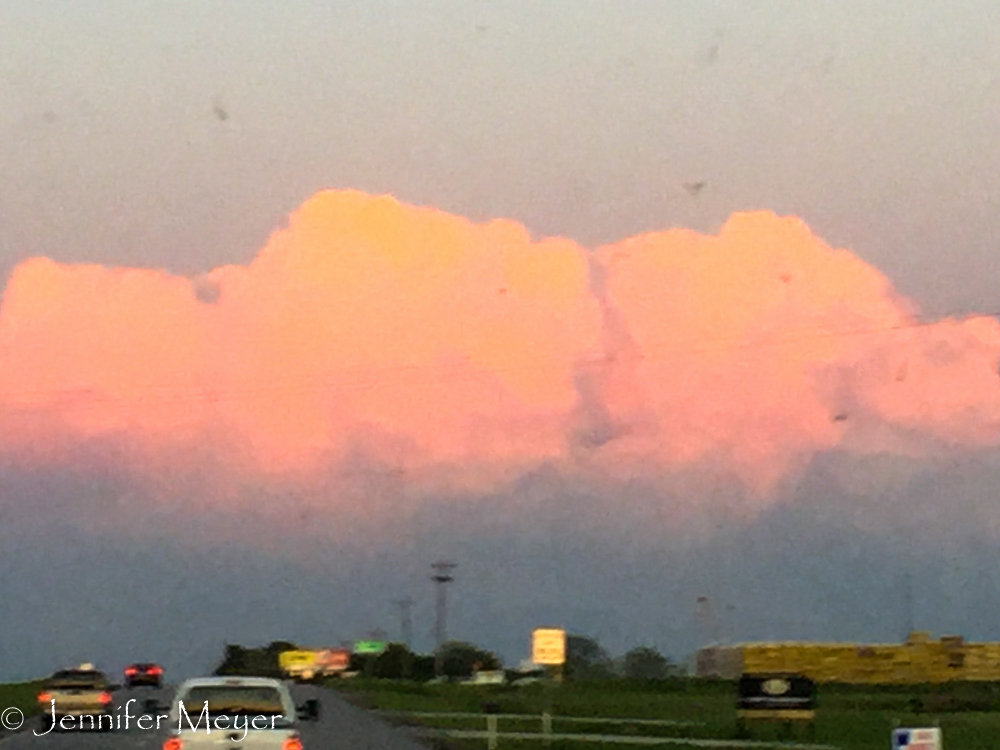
{"x":548,"y":646}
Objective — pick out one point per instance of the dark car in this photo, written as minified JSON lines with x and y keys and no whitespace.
{"x":144,"y":674}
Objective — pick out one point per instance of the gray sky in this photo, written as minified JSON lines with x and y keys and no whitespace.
{"x":180,"y":134}
{"x":873,"y":122}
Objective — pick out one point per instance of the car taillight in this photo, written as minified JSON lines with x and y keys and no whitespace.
{"x":105,"y":698}
{"x":44,"y":697}
{"x":292,"y":743}
{"x":173,"y":743}
{"x":156,"y":670}
{"x":131,"y":671}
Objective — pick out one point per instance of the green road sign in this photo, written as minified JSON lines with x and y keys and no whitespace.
{"x":369,"y":647}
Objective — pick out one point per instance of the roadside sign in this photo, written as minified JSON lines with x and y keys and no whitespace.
{"x":775,"y":696}
{"x":334,"y":659}
{"x":369,"y":647}
{"x":916,"y":739}
{"x":548,"y":646}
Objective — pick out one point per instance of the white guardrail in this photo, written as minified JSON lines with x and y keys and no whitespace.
{"x":527,"y":717}
{"x":492,"y":734}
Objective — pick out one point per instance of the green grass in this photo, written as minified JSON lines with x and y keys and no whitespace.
{"x":848,"y":717}
{"x":21,"y":695}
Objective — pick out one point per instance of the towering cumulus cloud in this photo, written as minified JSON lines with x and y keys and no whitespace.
{"x":371,"y":332}
{"x":404,"y":334}
{"x":752,"y":350}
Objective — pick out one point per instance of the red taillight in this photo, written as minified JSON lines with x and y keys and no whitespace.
{"x":44,"y":697}
{"x":105,"y":698}
{"x":156,"y":670}
{"x":131,"y":670}
{"x":292,"y":743}
{"x":172,"y":743}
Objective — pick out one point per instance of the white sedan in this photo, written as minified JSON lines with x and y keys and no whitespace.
{"x":243,"y":713}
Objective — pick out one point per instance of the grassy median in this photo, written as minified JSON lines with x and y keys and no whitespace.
{"x":21,"y":695}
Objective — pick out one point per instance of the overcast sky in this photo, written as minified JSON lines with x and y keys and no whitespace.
{"x":181,"y":134}
{"x":873,"y":122}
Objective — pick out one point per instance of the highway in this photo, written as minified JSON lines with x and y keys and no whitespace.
{"x":341,"y":727}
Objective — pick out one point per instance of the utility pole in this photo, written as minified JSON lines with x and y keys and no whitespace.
{"x":908,"y":604}
{"x":405,"y":623}
{"x":729,"y":634}
{"x":442,"y":577}
{"x":706,"y":620}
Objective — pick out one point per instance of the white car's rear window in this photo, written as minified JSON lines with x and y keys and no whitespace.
{"x":234,"y":699}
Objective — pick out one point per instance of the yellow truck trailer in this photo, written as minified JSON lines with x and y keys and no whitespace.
{"x":920,"y":659}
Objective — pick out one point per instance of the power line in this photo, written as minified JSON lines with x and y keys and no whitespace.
{"x":375,"y":376}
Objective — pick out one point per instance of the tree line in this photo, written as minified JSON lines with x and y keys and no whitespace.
{"x":586,"y":659}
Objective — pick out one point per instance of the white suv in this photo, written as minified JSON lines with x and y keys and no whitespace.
{"x":253,"y":713}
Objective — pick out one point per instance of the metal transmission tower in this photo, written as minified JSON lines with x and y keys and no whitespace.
{"x":442,"y":576}
{"x":406,"y":624}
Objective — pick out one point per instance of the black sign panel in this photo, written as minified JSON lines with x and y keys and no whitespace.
{"x":775,"y":692}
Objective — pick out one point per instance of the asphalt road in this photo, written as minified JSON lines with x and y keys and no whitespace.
{"x":341,"y":726}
